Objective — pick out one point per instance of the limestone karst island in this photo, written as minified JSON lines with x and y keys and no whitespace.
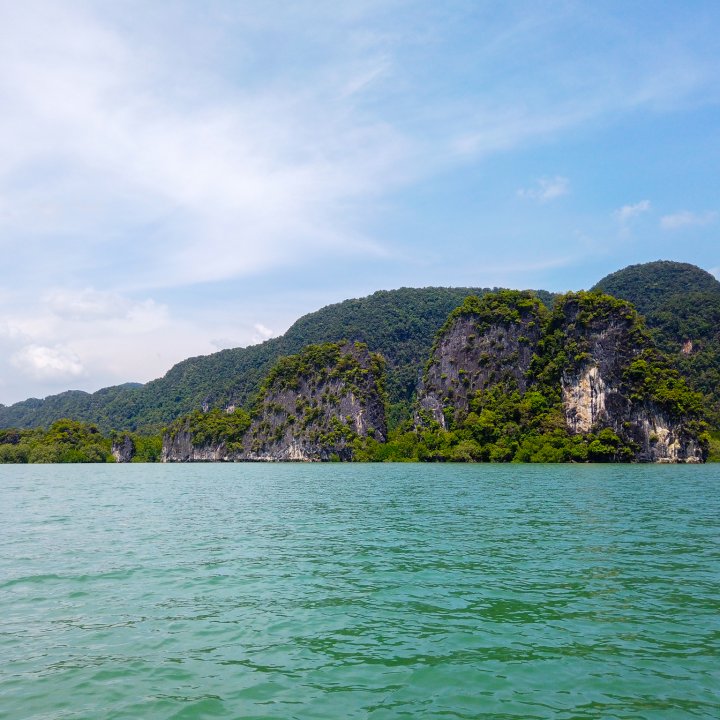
{"x":626,"y":372}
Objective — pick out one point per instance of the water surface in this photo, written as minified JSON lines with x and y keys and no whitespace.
{"x":359,"y":591}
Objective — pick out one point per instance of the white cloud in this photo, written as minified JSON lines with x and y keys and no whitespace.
{"x":87,"y":304}
{"x":48,"y":362}
{"x":546,"y":188}
{"x":192,"y":166}
{"x":715,"y":271}
{"x":89,"y":335}
{"x":10,"y":330}
{"x":149,"y":148}
{"x":628,"y":212}
{"x":231,"y":181}
{"x":262,"y":333}
{"x":686,"y":218}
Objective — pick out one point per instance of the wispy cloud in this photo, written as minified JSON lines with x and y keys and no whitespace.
{"x":546,"y":189}
{"x":627,"y":212}
{"x":230,"y":160}
{"x":64,"y":337}
{"x":262,"y":333}
{"x":684,"y":219}
{"x":58,"y":362}
{"x":151,"y":149}
{"x":224,"y":184}
{"x":90,"y":304}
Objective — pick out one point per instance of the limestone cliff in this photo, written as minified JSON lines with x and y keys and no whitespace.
{"x":612,"y":376}
{"x":486,"y":341}
{"x":180,"y":445}
{"x":588,"y":367}
{"x":312,"y":407}
{"x":123,"y":448}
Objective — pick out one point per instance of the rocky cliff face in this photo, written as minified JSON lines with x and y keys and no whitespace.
{"x":485,"y":342}
{"x":123,"y":449}
{"x":178,"y":447}
{"x":312,"y":407}
{"x":507,"y":380}
{"x":590,"y":364}
{"x":611,"y":376}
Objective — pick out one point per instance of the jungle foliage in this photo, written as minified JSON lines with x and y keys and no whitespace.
{"x":680,"y":302}
{"x":399,"y":324}
{"x":70,"y":441}
{"x":681,"y":306}
{"x":66,"y":441}
{"x":504,"y":425}
{"x":213,"y":427}
{"x":346,"y":365}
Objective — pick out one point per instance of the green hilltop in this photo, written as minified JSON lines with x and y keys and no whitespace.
{"x":681,"y":306}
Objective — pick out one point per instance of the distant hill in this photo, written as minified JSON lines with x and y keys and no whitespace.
{"x":681,"y":305}
{"x":74,"y":404}
{"x":651,"y":286}
{"x":680,"y":302}
{"x":400,"y":324}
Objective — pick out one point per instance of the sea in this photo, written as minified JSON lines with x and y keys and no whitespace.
{"x":377,"y":591}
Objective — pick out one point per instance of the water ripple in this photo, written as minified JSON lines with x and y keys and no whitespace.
{"x":373,"y":592}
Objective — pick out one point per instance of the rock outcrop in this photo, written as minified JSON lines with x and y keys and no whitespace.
{"x":590,"y":363}
{"x":507,"y":380}
{"x":179,"y":446}
{"x":312,"y":407}
{"x":486,"y":341}
{"x":613,"y":377}
{"x":123,"y":449}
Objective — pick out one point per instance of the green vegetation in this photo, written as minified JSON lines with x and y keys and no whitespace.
{"x":671,"y":361}
{"x":214,"y":427}
{"x":500,"y":307}
{"x":142,"y":448}
{"x":302,"y":392}
{"x":148,"y":448}
{"x":681,"y":306}
{"x":339,"y":361}
{"x":650,"y":286}
{"x":66,"y":441}
{"x":399,"y":324}
{"x":504,"y":425}
{"x":714,"y":441}
{"x":70,"y":441}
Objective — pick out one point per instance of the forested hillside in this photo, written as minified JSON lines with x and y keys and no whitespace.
{"x":506,"y":380}
{"x":400,"y":324}
{"x":681,"y":305}
{"x":316,"y":405}
{"x":69,"y":441}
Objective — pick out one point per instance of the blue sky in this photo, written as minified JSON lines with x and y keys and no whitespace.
{"x":180,"y":177}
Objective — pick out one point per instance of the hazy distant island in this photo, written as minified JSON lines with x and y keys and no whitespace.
{"x":627,"y":372}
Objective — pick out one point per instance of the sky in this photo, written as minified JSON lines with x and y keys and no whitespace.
{"x":180,"y":177}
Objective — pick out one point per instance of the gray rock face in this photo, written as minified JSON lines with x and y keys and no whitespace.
{"x":584,"y":397}
{"x":588,"y":348}
{"x":315,"y":421}
{"x":597,"y":391}
{"x":178,"y":447}
{"x":307,"y":412}
{"x":473,"y":354}
{"x":123,"y":449}
{"x":591,"y":404}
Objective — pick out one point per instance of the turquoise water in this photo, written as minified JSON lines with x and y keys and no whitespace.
{"x":370,"y":591}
